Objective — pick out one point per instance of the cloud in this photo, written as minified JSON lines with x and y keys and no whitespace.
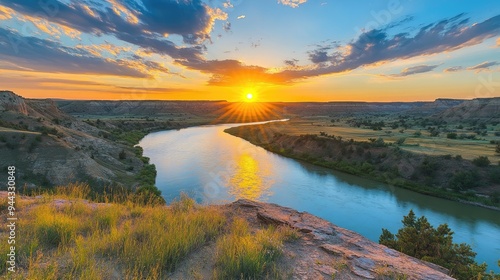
{"x":371,"y":47}
{"x":414,"y":70}
{"x":291,"y":62}
{"x":241,"y":17}
{"x":227,"y":26}
{"x":292,"y":3}
{"x":453,"y":69}
{"x":498,"y":42}
{"x":483,"y":66}
{"x":320,"y":55}
{"x":48,"y":56}
{"x":376,"y":46}
{"x":143,"y":23}
{"x":5,"y":13}
{"x":229,"y":72}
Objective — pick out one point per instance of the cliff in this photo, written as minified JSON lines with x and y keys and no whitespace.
{"x":188,"y":241}
{"x":485,"y":109}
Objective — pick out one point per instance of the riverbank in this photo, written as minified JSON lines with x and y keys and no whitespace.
{"x":452,"y":178}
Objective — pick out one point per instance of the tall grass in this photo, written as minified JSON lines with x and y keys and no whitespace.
{"x":243,"y":255}
{"x":64,"y":236}
{"x":75,"y":239}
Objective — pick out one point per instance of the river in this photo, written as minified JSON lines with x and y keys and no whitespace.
{"x":215,"y":167}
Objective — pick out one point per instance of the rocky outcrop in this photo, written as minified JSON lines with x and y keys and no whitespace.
{"x":326,"y":251}
{"x":9,"y":101}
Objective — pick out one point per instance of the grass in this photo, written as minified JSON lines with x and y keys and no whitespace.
{"x":65,"y":236}
{"x":243,"y":255}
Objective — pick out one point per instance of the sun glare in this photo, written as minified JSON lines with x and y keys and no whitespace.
{"x":249,"y":97}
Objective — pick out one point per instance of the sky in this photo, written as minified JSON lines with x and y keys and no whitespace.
{"x":277,"y":50}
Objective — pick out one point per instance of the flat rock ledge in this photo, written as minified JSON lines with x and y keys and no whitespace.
{"x":326,"y":251}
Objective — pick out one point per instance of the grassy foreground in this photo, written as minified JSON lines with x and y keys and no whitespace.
{"x":64,"y":236}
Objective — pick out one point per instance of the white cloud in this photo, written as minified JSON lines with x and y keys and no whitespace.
{"x":241,"y":17}
{"x":292,"y":3}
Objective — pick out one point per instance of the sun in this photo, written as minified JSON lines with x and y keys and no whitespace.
{"x":249,"y":97}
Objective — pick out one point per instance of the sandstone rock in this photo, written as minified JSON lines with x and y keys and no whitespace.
{"x":324,"y":246}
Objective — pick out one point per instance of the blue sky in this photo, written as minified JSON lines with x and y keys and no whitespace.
{"x":285,"y":50}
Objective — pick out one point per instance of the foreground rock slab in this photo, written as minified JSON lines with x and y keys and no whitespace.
{"x":326,"y":251}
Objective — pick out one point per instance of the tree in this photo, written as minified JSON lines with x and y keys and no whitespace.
{"x":419,"y":239}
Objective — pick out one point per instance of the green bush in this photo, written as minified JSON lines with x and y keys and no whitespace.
{"x":451,"y":135}
{"x":464,"y":180}
{"x":481,"y":161}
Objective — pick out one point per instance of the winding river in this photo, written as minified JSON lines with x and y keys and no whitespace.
{"x":215,"y":167}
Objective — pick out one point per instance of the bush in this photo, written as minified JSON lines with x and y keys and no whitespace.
{"x":451,"y":135}
{"x":481,"y":161}
{"x":148,"y":195}
{"x":122,"y":154}
{"x":428,"y":167}
{"x":464,"y":180}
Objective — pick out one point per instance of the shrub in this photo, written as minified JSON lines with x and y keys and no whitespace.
{"x":148,"y":195}
{"x":451,"y":135}
{"x":481,"y":161}
{"x":122,"y":155}
{"x":428,"y":167}
{"x":464,"y":180}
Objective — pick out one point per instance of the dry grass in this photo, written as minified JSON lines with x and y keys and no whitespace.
{"x":63,"y":236}
{"x":243,"y":255}
{"x":75,"y":239}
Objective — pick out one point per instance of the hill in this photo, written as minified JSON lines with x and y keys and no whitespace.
{"x":484,"y":109}
{"x":50,"y":147}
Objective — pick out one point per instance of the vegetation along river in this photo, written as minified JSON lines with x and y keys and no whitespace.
{"x":214,"y":167}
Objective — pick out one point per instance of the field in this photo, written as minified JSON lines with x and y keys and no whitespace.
{"x":417,"y":138}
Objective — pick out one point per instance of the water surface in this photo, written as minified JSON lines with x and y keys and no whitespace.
{"x":215,"y":167}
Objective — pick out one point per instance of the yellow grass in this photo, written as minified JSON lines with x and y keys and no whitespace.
{"x":75,"y":239}
{"x":242,"y":255}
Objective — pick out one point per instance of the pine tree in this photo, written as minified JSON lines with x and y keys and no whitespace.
{"x":419,"y":239}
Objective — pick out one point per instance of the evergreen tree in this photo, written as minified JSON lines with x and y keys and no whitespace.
{"x":419,"y":239}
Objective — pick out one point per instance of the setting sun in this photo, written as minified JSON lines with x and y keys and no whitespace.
{"x":249,"y":96}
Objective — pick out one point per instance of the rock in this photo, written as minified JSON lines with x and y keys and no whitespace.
{"x":324,"y":245}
